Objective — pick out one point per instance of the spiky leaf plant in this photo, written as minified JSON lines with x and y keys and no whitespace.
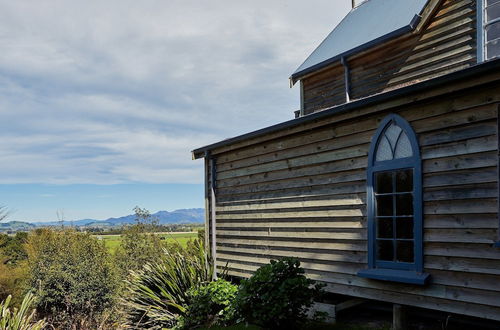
{"x":22,"y":318}
{"x":158,"y":294}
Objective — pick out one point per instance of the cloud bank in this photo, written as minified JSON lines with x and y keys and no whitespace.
{"x":120,"y":91}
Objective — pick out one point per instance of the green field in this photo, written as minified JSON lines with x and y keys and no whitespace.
{"x":112,"y":242}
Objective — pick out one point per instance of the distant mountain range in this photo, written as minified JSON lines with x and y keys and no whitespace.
{"x":182,"y":216}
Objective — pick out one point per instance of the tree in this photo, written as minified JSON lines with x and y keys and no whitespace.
{"x":140,"y":243}
{"x":73,"y":275}
{"x":12,"y":247}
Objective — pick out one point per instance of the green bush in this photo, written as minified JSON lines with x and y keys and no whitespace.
{"x":13,"y":266}
{"x":19,"y":319}
{"x":12,"y":247}
{"x":277,"y":296}
{"x":12,"y":280}
{"x":72,"y":274}
{"x":140,"y":245}
{"x":158,"y":294}
{"x":210,"y":305}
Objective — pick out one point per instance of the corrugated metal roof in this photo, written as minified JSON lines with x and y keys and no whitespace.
{"x":366,"y":25}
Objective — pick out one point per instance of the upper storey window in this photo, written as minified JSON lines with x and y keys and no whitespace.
{"x":489,"y":16}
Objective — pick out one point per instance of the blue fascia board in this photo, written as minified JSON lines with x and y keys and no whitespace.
{"x":497,"y":244}
{"x":393,"y":275}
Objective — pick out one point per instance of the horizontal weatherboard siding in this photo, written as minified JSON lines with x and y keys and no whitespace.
{"x":302,"y":192}
{"x":447,"y":43}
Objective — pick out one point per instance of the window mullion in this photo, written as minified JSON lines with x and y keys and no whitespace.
{"x":493,"y":21}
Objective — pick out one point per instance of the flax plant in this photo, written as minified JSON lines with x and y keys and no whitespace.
{"x":22,"y":318}
{"x":158,"y":293}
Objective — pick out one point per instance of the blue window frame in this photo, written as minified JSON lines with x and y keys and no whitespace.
{"x":394,"y":204}
{"x":488,"y":29}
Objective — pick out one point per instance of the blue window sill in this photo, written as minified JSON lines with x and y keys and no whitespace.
{"x":402,"y":276}
{"x":497,"y":244}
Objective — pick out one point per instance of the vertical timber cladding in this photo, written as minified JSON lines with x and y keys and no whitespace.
{"x":446,"y":44}
{"x":303,"y":194}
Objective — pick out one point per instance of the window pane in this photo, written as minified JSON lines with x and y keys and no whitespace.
{"x":384,"y":205}
{"x":490,"y":2}
{"x":404,"y":204}
{"x":493,"y":49}
{"x":493,"y":11}
{"x":385,"y":228}
{"x":404,"y":228}
{"x":403,"y":148}
{"x":404,"y":251}
{"x":384,"y":151}
{"x":385,"y":250}
{"x":493,"y":31}
{"x":392,"y":134}
{"x":383,"y":182}
{"x":404,"y":181}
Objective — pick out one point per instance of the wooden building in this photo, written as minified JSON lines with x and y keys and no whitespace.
{"x":386,"y":184}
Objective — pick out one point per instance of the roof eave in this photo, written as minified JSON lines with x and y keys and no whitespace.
{"x":432,"y":83}
{"x":375,"y":42}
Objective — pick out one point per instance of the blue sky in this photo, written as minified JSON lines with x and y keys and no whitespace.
{"x":41,"y":202}
{"x":101,"y":102}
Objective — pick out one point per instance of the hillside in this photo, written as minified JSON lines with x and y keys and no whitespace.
{"x":182,"y":216}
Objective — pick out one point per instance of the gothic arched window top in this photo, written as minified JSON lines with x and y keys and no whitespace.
{"x":393,"y":144}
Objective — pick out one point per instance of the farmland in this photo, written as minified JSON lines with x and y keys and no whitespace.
{"x":112,"y":242}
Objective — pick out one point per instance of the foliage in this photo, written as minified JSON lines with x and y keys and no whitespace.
{"x":73,"y":275}
{"x":12,"y":247}
{"x":12,"y":280}
{"x":158,"y":293}
{"x":210,"y":304}
{"x":12,"y":266}
{"x":277,"y":296}
{"x":139,"y":244}
{"x":19,"y":319}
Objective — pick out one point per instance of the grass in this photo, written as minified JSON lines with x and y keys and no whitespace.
{"x":112,"y":242}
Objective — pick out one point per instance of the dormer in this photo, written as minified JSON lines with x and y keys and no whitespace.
{"x":383,"y":45}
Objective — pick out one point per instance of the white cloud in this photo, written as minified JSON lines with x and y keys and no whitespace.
{"x":120,"y":91}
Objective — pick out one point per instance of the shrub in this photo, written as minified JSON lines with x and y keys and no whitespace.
{"x":140,"y":245}
{"x":19,"y":319}
{"x":12,"y":280}
{"x":209,"y":305}
{"x":277,"y":296}
{"x":72,"y":274}
{"x":157,"y":294}
{"x":12,"y":247}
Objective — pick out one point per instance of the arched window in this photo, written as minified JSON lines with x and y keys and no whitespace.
{"x":394,"y":204}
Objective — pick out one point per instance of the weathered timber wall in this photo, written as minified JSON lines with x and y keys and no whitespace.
{"x":446,"y":44}
{"x":301,"y":192}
